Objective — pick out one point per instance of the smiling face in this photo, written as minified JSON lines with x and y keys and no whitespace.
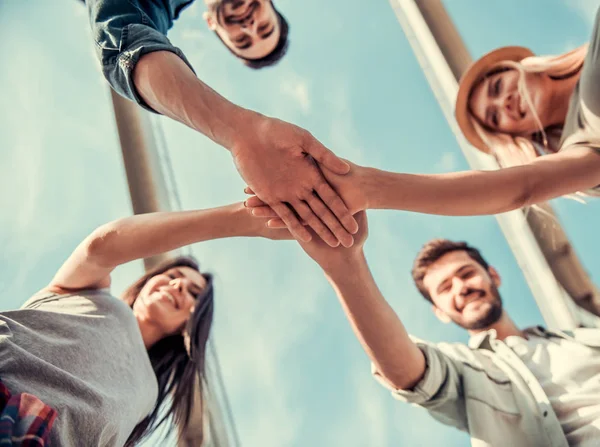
{"x":167,"y":299}
{"x":463,"y":291}
{"x":249,"y":28}
{"x":497,"y":103}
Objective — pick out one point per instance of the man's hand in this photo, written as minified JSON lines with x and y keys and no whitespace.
{"x":275,"y":159}
{"x":348,"y":186}
{"x":333,"y":258}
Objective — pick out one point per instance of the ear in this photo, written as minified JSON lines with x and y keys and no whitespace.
{"x":441,"y":315}
{"x":495,"y":276}
{"x":210,"y":20}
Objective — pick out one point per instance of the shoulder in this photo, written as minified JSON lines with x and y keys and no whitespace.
{"x":56,"y":297}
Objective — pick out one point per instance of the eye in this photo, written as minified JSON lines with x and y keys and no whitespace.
{"x":467,"y":274}
{"x":497,"y":87}
{"x":495,"y":120}
{"x":444,"y":289}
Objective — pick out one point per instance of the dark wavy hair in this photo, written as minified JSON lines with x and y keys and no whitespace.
{"x":179,"y":370}
{"x":276,"y":54}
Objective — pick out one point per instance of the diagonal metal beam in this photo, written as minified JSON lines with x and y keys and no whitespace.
{"x":552,"y":269}
{"x":152,"y":188}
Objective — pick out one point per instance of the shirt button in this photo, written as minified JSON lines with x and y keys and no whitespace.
{"x":545,"y":413}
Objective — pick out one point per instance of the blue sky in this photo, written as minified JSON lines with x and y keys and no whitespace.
{"x":295,"y":375}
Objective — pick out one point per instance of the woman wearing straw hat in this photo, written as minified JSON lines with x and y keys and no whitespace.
{"x":514,"y":106}
{"x":81,"y":367}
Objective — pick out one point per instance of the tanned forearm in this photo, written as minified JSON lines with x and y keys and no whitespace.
{"x":483,"y":192}
{"x":146,"y":235}
{"x":170,"y":87}
{"x":376,"y":325}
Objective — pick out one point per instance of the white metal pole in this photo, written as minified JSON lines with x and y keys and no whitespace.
{"x":555,"y":306}
{"x":152,"y":187}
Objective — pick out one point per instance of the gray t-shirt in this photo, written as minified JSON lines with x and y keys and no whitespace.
{"x":582,"y":125}
{"x":83,"y":355}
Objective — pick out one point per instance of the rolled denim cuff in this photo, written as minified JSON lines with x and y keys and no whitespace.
{"x":136,"y":40}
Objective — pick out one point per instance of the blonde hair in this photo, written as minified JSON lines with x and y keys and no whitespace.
{"x":510,"y":150}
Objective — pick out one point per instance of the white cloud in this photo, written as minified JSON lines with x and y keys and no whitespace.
{"x":447,"y":163}
{"x":343,"y":137}
{"x":586,"y":8}
{"x":259,"y":319}
{"x":296,"y":89}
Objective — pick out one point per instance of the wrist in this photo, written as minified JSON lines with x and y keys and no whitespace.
{"x":246,"y":225}
{"x":350,"y":261}
{"x":238,"y":127}
{"x":366,"y":183}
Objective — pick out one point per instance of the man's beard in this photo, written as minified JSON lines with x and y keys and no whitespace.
{"x":491,"y":316}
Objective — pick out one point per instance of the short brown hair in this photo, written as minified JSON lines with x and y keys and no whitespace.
{"x":434,"y":250}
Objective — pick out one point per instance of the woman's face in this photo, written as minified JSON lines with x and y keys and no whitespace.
{"x":498,"y":105}
{"x":167,"y":300}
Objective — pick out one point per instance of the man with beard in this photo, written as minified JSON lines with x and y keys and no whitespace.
{"x":509,"y":387}
{"x":277,"y":159}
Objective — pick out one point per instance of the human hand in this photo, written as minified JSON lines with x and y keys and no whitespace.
{"x":275,"y":159}
{"x":348,"y":186}
{"x":275,"y":234}
{"x":329,"y":258}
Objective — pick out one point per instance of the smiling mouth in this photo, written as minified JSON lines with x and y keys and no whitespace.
{"x":478,"y":296}
{"x":170,"y":297}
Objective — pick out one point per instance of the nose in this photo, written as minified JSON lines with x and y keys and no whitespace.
{"x":459,"y":288}
{"x":511,"y":104}
{"x":249,"y":25}
{"x":179,"y":283}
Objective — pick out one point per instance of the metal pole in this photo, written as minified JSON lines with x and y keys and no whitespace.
{"x":540,"y":245}
{"x":146,"y":165}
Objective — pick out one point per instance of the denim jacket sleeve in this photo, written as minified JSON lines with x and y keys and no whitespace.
{"x":125,"y":30}
{"x":439,"y":391}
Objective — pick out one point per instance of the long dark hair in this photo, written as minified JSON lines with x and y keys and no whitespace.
{"x":179,"y":370}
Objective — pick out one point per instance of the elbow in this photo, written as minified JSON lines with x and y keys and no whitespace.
{"x":408,"y":380}
{"x":99,"y":246}
{"x":522,"y":199}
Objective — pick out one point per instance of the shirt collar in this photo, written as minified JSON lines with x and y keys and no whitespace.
{"x":484,"y":339}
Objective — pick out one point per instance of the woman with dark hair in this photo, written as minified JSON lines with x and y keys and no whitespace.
{"x":80,"y":367}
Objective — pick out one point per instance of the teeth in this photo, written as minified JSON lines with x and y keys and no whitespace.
{"x":170,"y":298}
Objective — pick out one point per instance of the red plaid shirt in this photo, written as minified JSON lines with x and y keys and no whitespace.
{"x":24,"y":420}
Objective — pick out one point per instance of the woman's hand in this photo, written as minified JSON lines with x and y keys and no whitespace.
{"x":349,"y":186}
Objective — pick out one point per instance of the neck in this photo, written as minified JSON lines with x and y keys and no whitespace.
{"x":150,"y":333}
{"x":562,"y":90}
{"x":504,"y":327}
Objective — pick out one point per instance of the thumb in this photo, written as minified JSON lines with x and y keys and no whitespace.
{"x":327,"y":158}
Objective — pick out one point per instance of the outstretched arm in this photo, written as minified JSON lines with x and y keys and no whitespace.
{"x":375,"y":324}
{"x":464,"y":193}
{"x":141,"y":64}
{"x":145,"y":235}
{"x":486,"y":192}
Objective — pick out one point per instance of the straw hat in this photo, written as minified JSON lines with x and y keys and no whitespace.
{"x":474,"y":74}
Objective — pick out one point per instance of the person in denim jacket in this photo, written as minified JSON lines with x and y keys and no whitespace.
{"x":275,"y":158}
{"x":508,"y":387}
